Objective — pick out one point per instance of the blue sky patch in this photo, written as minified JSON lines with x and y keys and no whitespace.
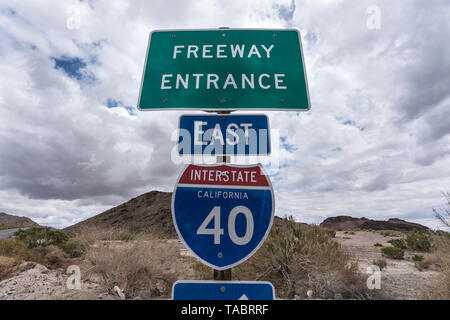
{"x":112,"y":103}
{"x":75,"y":68}
{"x":353,"y":124}
{"x":287,"y":146}
{"x":71,"y":66}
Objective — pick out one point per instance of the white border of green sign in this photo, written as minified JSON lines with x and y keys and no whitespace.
{"x":226,"y":108}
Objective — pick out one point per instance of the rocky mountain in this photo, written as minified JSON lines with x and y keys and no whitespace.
{"x":148,"y":213}
{"x":350,"y":223}
{"x":15,"y":221}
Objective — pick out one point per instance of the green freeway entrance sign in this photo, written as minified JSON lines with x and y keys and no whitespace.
{"x":224,"y":69}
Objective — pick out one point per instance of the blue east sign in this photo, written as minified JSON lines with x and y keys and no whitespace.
{"x":224,"y":135}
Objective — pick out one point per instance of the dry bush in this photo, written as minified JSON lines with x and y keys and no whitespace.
{"x":440,"y":261}
{"x":91,"y":234}
{"x":7,"y":265}
{"x":134,"y":267}
{"x":381,"y":263}
{"x":50,"y":256}
{"x":443,"y":214}
{"x":41,"y":236}
{"x":14,"y":248}
{"x":297,"y":259}
{"x":393,"y":252}
{"x":74,"y":247}
{"x":12,"y":253}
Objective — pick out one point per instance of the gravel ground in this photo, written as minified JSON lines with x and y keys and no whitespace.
{"x":400,"y":279}
{"x":33,"y":281}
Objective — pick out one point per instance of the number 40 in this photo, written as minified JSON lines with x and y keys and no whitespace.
{"x":217,"y":231}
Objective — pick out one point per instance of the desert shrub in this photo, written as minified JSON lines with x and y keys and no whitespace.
{"x":381,"y":263}
{"x":422,"y":264}
{"x":377,"y":244}
{"x":7,"y":265}
{"x":296,"y":259}
{"x":418,"y":240}
{"x":440,"y":260}
{"x":390,"y":233}
{"x":133,"y":268}
{"x":14,"y":248}
{"x":393,"y":253}
{"x":398,"y":243}
{"x":89,"y":235}
{"x":45,"y":236}
{"x":121,"y":235}
{"x":41,"y":236}
{"x":12,"y":253}
{"x":331,"y":233}
{"x":417,"y":257}
{"x":51,"y":256}
{"x":386,"y":233}
{"x":74,"y":247}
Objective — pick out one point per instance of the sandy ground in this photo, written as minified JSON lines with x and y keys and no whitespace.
{"x":400,"y":279}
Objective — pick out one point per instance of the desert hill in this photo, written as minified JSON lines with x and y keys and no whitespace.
{"x":148,"y":213}
{"x":15,"y":221}
{"x":350,"y":223}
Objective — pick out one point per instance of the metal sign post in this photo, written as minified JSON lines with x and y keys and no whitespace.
{"x":224,"y":275}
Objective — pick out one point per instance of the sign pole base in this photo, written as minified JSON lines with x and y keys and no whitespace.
{"x":222,"y":275}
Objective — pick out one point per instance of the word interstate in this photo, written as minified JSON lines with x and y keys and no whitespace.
{"x":211,"y":80}
{"x":214,"y":175}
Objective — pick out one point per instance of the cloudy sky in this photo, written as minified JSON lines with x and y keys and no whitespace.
{"x":376,"y":142}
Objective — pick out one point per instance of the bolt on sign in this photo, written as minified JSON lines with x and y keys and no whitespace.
{"x":224,"y":69}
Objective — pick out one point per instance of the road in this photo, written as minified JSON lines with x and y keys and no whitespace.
{"x":9,"y":232}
